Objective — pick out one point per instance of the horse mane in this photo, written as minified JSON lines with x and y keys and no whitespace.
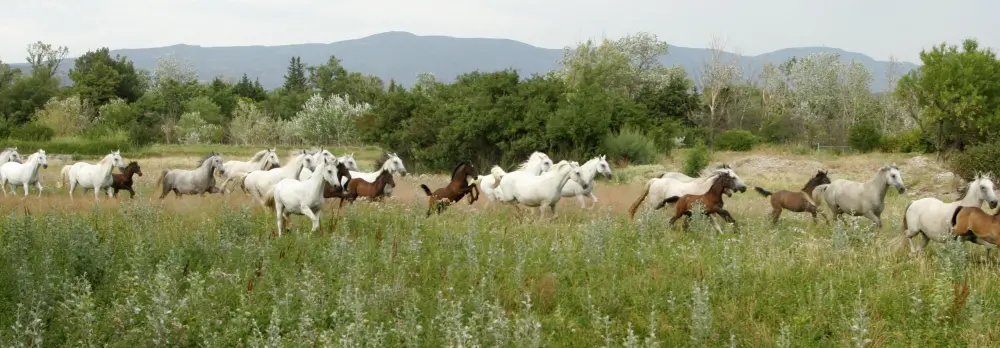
{"x":259,"y":155}
{"x":381,"y":159}
{"x":209,"y":155}
{"x":533,"y":156}
{"x":455,"y":170}
{"x":812,"y":183}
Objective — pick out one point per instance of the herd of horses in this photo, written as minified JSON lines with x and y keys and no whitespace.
{"x":310,"y":177}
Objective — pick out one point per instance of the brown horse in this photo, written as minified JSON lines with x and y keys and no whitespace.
{"x":712,"y":200}
{"x":456,"y":189}
{"x":124,"y":181}
{"x":338,"y":192}
{"x":373,"y":190}
{"x":972,"y":224}
{"x":795,"y":201}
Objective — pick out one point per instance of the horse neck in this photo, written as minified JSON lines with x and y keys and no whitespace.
{"x":533,"y":166}
{"x":387,"y":165}
{"x":706,"y":184}
{"x":381,"y":183}
{"x":810,"y":186}
{"x":971,"y":198}
{"x":878,"y":184}
{"x":261,"y":163}
{"x":207,"y":167}
{"x":296,"y":166}
{"x":106,"y":164}
{"x":128,"y":173}
{"x":33,"y":163}
{"x":561,"y":177}
{"x":317,"y":180}
{"x":589,"y":170}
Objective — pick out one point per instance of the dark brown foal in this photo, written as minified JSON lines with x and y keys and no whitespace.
{"x":795,"y":201}
{"x":373,"y":190}
{"x":456,"y":189}
{"x":712,"y":200}
{"x":124,"y":181}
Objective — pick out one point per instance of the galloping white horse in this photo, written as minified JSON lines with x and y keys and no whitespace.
{"x":14,"y":173}
{"x":388,"y":161}
{"x":660,"y":188}
{"x":325,"y":156}
{"x":262,"y":160}
{"x":930,"y":218}
{"x":489,"y":185}
{"x":291,"y":196}
{"x":684,"y":178}
{"x":860,"y":199}
{"x":10,"y":155}
{"x":588,"y":171}
{"x":543,"y":190}
{"x":257,"y":183}
{"x":91,"y":176}
{"x":198,"y":181}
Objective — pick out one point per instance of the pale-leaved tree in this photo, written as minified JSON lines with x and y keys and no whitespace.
{"x":253,"y":126}
{"x":66,"y":116}
{"x":717,"y":78}
{"x":329,"y":121}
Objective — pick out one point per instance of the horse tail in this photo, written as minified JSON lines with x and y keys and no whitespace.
{"x":642,"y":197}
{"x":426,"y":189}
{"x":906,"y":209}
{"x":63,"y":176}
{"x":673,"y":199}
{"x":497,"y":174}
{"x":954,"y":216}
{"x":269,"y":198}
{"x":160,"y":181}
{"x":762,"y":191}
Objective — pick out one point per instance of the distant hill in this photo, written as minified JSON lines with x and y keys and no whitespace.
{"x":401,"y":56}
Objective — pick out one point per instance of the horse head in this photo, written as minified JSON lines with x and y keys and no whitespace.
{"x":737,"y":183}
{"x":134,"y":167}
{"x":272,"y":158}
{"x":331,"y":173}
{"x":42,"y":159}
{"x":603,"y":167}
{"x":117,"y":161}
{"x":394,"y":164}
{"x":576,"y":174}
{"x":986,"y":190}
{"x":893,"y":177}
{"x":349,"y":161}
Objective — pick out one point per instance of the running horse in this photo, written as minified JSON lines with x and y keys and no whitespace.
{"x":795,"y":201}
{"x":124,"y":181}
{"x":372,"y":190}
{"x":712,"y":200}
{"x":456,"y":189}
{"x":972,"y":224}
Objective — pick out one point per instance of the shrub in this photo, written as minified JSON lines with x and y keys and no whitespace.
{"x":32,"y":131}
{"x":74,"y":146}
{"x":142,"y":135}
{"x":66,"y":116}
{"x":976,"y":159}
{"x":330,"y":121}
{"x":630,"y":147}
{"x":864,"y":136}
{"x":737,"y":140}
{"x":253,"y":126}
{"x":697,"y":159}
{"x":909,"y":141}
{"x":779,"y":130}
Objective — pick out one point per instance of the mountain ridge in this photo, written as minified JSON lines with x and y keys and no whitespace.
{"x":401,"y":55}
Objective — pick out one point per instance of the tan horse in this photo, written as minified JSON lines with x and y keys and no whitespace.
{"x":795,"y":201}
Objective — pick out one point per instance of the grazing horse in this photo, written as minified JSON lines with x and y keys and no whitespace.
{"x":257,"y":183}
{"x":658,"y":189}
{"x":10,"y":155}
{"x":291,"y":196}
{"x":537,"y":163}
{"x":262,"y":160}
{"x":795,"y":201}
{"x":198,"y":181}
{"x":543,"y":190}
{"x":712,"y":200}
{"x":588,"y":171}
{"x":15,"y":173}
{"x":456,"y":189}
{"x":372,"y":190}
{"x":124,"y":181}
{"x":684,"y":178}
{"x":975,"y":225}
{"x":860,"y":199}
{"x":929,"y":216}
{"x":91,"y":176}
{"x":386,"y":162}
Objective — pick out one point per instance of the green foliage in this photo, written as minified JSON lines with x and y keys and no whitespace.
{"x":780,"y":130}
{"x":100,"y":78}
{"x":736,"y":140}
{"x":295,"y":78}
{"x":907,"y":142}
{"x":697,"y":159}
{"x":865,"y":137}
{"x":32,"y":132}
{"x":66,"y":116}
{"x":76,"y":146}
{"x":630,"y":147}
{"x":980,"y":158}
{"x":208,"y":110}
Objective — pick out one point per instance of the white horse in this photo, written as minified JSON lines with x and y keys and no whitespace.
{"x":489,"y":185}
{"x":388,"y":161}
{"x":15,"y":173}
{"x":198,"y":181}
{"x":92,"y":176}
{"x":684,"y":178}
{"x":324,"y":156}
{"x":10,"y":155}
{"x":543,"y":190}
{"x":860,"y":199}
{"x":930,"y":218}
{"x":262,"y":160}
{"x":291,"y":196}
{"x":660,"y":188}
{"x":588,"y":171}
{"x":257,"y":183}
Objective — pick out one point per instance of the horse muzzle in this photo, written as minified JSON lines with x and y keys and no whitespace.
{"x":993,"y":204}
{"x":728,"y":192}
{"x":742,"y":189}
{"x":45,"y":166}
{"x":901,"y":189}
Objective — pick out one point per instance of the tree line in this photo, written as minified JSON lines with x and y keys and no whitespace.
{"x":609,"y":96}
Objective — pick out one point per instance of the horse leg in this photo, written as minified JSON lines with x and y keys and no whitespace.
{"x":715,"y":223}
{"x":583,"y":205}
{"x":315,"y":218}
{"x":875,"y":219}
{"x":727,"y":217}
{"x":280,"y":216}
{"x":38,"y":185}
{"x":776,"y":213}
{"x":26,"y":189}
{"x":131,"y":193}
{"x":593,"y":199}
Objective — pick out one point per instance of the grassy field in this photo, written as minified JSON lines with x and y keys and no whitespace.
{"x":205,"y":271}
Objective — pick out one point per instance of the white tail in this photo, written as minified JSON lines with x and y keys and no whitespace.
{"x":498,"y":174}
{"x":63,"y":175}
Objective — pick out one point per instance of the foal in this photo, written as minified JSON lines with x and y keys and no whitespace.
{"x":712,"y":200}
{"x":795,"y":201}
{"x":338,"y":192}
{"x":975,"y":225}
{"x":456,"y":189}
{"x":124,"y":181}
{"x":373,"y":190}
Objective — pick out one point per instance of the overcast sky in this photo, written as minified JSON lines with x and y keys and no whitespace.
{"x":878,"y":28}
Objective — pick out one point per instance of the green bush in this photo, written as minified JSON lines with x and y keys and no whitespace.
{"x":737,"y":140}
{"x":72,"y":146}
{"x":630,"y":147}
{"x":780,"y":130}
{"x":906,"y":142}
{"x":32,"y":132}
{"x":697,"y":159}
{"x":864,"y":137}
{"x":981,"y":158}
{"x":142,"y":135}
